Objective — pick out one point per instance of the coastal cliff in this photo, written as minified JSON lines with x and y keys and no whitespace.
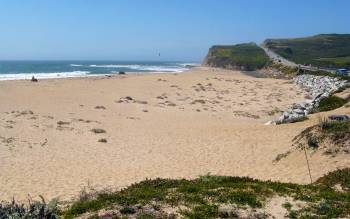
{"x":247,"y":56}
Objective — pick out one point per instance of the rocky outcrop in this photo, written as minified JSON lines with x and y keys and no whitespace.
{"x":318,"y":87}
{"x":218,"y":61}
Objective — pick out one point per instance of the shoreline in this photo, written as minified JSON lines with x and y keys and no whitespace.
{"x":94,"y":75}
{"x":156,"y":125}
{"x":22,"y":70}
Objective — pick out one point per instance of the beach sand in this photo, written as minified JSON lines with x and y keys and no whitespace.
{"x":157,"y":125}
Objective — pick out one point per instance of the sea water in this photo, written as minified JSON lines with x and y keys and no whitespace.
{"x":17,"y":70}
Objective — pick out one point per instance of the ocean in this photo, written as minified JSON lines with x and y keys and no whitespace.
{"x":17,"y":70}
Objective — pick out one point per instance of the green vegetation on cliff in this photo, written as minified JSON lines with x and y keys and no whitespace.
{"x":324,"y":50}
{"x":247,"y":56}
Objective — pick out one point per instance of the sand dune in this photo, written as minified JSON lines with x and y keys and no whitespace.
{"x":156,"y":125}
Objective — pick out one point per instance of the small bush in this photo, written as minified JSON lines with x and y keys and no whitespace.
{"x":338,"y":130}
{"x":331,"y":103}
{"x":341,"y":176}
{"x":36,"y":209}
{"x":312,"y":141}
{"x":127,"y":210}
{"x":203,"y":211}
{"x":287,"y":206}
{"x":323,"y":123}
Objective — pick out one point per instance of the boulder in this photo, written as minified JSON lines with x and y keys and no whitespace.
{"x":318,"y":88}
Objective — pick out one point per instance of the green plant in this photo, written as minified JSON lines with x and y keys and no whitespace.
{"x":287,"y":206}
{"x":202,"y":211}
{"x":203,"y":196}
{"x":312,"y":141}
{"x":127,"y":210}
{"x":331,"y":103}
{"x":323,"y":123}
{"x":337,"y":130}
{"x":340,"y":176}
{"x":34,"y":209}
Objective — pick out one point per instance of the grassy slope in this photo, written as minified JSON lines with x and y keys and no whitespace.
{"x":246,"y":56}
{"x":331,"y":103}
{"x":324,"y":50}
{"x":202,"y":196}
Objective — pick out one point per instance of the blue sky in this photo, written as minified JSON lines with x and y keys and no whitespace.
{"x":139,"y":29}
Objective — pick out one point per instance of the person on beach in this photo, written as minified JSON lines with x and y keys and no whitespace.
{"x":34,"y":79}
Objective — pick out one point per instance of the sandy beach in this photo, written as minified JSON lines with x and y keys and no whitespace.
{"x":156,"y":125}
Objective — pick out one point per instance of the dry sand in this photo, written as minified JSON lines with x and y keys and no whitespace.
{"x":176,"y":125}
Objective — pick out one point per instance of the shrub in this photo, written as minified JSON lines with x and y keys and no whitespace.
{"x":203,"y":211}
{"x":340,"y":176}
{"x":127,"y":210}
{"x":36,"y":209}
{"x":338,"y":130}
{"x":312,"y":141}
{"x":323,"y":123}
{"x":331,"y":103}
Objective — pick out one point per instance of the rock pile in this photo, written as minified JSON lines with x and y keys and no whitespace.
{"x":318,"y":87}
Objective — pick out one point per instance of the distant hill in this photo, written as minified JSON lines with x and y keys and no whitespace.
{"x":247,"y":56}
{"x":324,"y":50}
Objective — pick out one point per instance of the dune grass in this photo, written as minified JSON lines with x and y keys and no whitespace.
{"x":202,"y":198}
{"x":204,"y":195}
{"x":331,"y":103}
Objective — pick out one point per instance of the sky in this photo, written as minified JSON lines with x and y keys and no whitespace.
{"x":180,"y":30}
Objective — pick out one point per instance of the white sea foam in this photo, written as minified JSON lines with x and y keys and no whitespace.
{"x":162,"y":69}
{"x":75,"y":65}
{"x":190,"y":64}
{"x":115,"y":66}
{"x":154,"y":68}
{"x":28,"y":76}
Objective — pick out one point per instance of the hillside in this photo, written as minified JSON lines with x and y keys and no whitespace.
{"x":247,"y":56}
{"x":324,"y":50}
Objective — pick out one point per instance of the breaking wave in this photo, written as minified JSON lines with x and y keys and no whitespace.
{"x":27,"y":76}
{"x":151,"y":68}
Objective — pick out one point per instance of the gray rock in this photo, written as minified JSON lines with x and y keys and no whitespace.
{"x":318,"y":88}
